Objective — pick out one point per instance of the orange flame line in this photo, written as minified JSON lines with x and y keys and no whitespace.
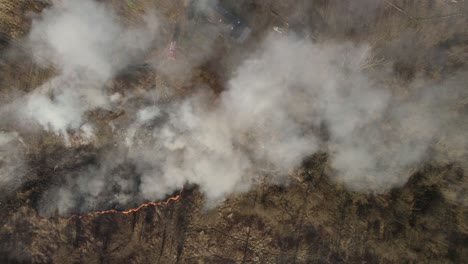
{"x":128,"y":211}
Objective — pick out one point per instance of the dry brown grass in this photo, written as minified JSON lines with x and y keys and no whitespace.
{"x":14,"y":20}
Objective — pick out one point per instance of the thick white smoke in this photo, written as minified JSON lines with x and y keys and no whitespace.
{"x":266,"y":122}
{"x":272,"y":114}
{"x":87,"y":44}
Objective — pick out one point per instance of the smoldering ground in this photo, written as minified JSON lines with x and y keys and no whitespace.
{"x":271,"y":115}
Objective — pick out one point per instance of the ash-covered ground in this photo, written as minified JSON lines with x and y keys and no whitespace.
{"x":324,"y":131}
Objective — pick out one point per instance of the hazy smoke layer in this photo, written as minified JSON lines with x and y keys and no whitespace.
{"x":12,"y":167}
{"x":288,"y":100}
{"x":87,"y":44}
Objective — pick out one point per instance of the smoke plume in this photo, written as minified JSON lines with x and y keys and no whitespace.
{"x":290,"y":98}
{"x":87,"y":44}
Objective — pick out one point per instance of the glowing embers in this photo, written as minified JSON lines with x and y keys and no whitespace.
{"x":128,"y":211}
